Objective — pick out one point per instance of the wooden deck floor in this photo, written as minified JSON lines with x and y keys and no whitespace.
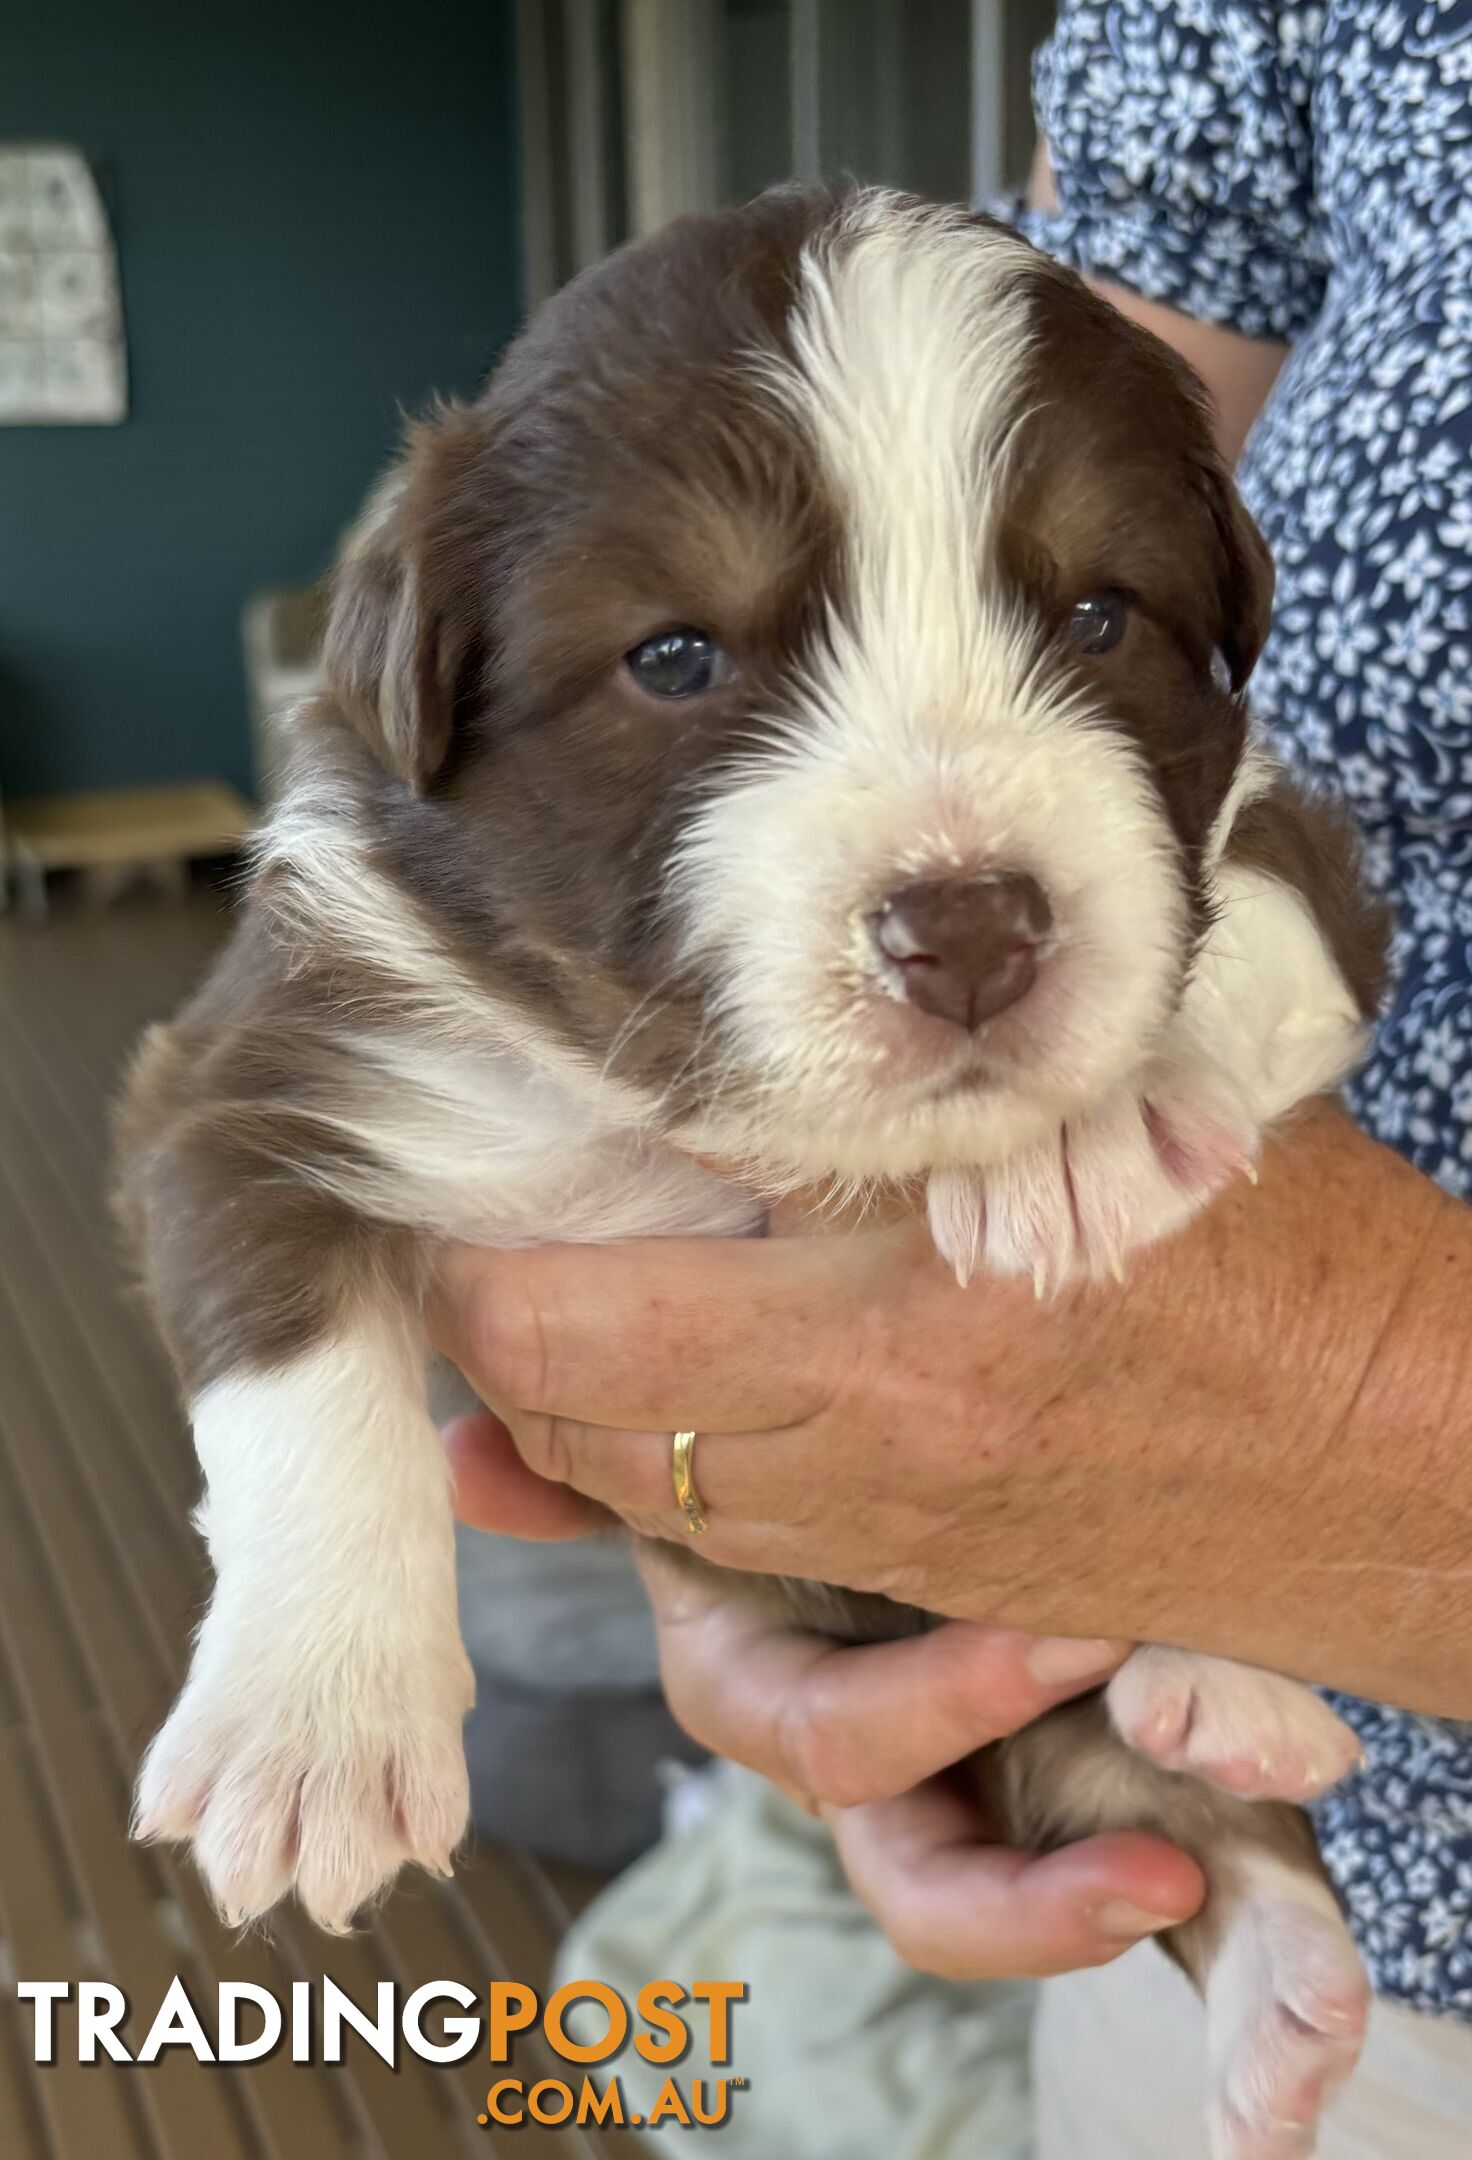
{"x":100,"y":1582}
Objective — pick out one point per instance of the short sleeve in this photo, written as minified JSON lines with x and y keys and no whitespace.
{"x":1182,"y":148}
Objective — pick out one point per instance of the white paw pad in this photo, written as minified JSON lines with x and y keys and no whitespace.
{"x":282,"y":1771}
{"x":1252,"y":1733}
{"x":1287,"y":2002}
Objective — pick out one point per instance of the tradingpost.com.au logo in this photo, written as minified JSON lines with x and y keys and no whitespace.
{"x":585,"y":2024}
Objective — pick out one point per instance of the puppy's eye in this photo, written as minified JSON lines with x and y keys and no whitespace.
{"x":1098,"y":623}
{"x":678,"y":664}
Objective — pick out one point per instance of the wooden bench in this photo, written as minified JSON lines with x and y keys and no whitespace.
{"x":110,"y":833}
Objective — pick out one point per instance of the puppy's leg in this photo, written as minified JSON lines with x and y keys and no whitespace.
{"x":318,"y":1738}
{"x":1286,"y":2007}
{"x":1251,"y":1732}
{"x":1286,"y":1996}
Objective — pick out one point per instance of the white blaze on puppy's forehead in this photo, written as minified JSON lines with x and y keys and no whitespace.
{"x":911,"y":341}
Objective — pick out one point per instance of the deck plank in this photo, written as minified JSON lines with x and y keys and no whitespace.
{"x":186,"y":2104}
{"x":22,"y":2123}
{"x":72,"y":2112}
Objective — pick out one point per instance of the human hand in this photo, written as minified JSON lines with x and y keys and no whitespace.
{"x":1166,"y":1462}
{"x":861,"y":1736}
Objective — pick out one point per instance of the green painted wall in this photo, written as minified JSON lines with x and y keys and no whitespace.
{"x":315,"y":212}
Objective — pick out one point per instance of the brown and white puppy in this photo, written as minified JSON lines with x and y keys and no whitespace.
{"x":795,"y":714}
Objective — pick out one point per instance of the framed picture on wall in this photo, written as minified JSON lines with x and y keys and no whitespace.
{"x":63,"y":359}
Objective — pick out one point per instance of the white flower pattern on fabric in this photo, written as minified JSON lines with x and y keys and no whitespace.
{"x":1304,"y":172}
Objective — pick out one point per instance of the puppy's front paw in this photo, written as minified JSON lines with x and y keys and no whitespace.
{"x":1107,"y":1183}
{"x":282,"y":1765}
{"x":1253,"y":1733}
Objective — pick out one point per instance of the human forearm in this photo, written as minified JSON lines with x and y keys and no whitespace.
{"x":1237,"y":371}
{"x":1309,"y":1507}
{"x":1397,"y":1540}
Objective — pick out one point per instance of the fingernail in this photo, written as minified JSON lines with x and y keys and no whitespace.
{"x":1059,"y":1660}
{"x":1121,"y":1921}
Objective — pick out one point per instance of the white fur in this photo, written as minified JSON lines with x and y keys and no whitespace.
{"x":1287,"y":2003}
{"x":928,"y":739}
{"x":485,"y":1145}
{"x":317,"y":1740}
{"x":327,"y":885}
{"x":1254,"y":777}
{"x":1256,"y":1734}
{"x":1268,"y":1007}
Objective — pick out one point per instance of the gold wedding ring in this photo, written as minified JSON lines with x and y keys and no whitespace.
{"x":683,"y":1469}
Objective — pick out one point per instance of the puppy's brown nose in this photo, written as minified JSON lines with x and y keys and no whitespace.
{"x":966,"y":950}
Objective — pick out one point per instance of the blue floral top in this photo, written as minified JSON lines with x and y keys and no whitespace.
{"x":1304,"y":172}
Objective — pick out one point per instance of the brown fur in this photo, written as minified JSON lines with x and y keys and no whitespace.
{"x":245,"y":1260}
{"x":1070,"y":1776}
{"x":1119,"y":484}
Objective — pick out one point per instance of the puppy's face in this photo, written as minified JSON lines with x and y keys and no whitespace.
{"x":810,"y":675}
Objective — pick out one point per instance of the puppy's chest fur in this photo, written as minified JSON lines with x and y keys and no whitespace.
{"x":475,"y":1141}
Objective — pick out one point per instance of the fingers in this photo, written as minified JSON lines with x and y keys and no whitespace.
{"x":597,"y":1357}
{"x":953,"y":1905}
{"x":670,"y":1332}
{"x":859,"y":1730}
{"x":745,"y":1483}
{"x":846,"y":1725}
{"x":495,"y":1490}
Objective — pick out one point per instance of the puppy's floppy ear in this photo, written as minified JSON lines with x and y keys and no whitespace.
{"x":404,"y":643}
{"x":1245,"y":576}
